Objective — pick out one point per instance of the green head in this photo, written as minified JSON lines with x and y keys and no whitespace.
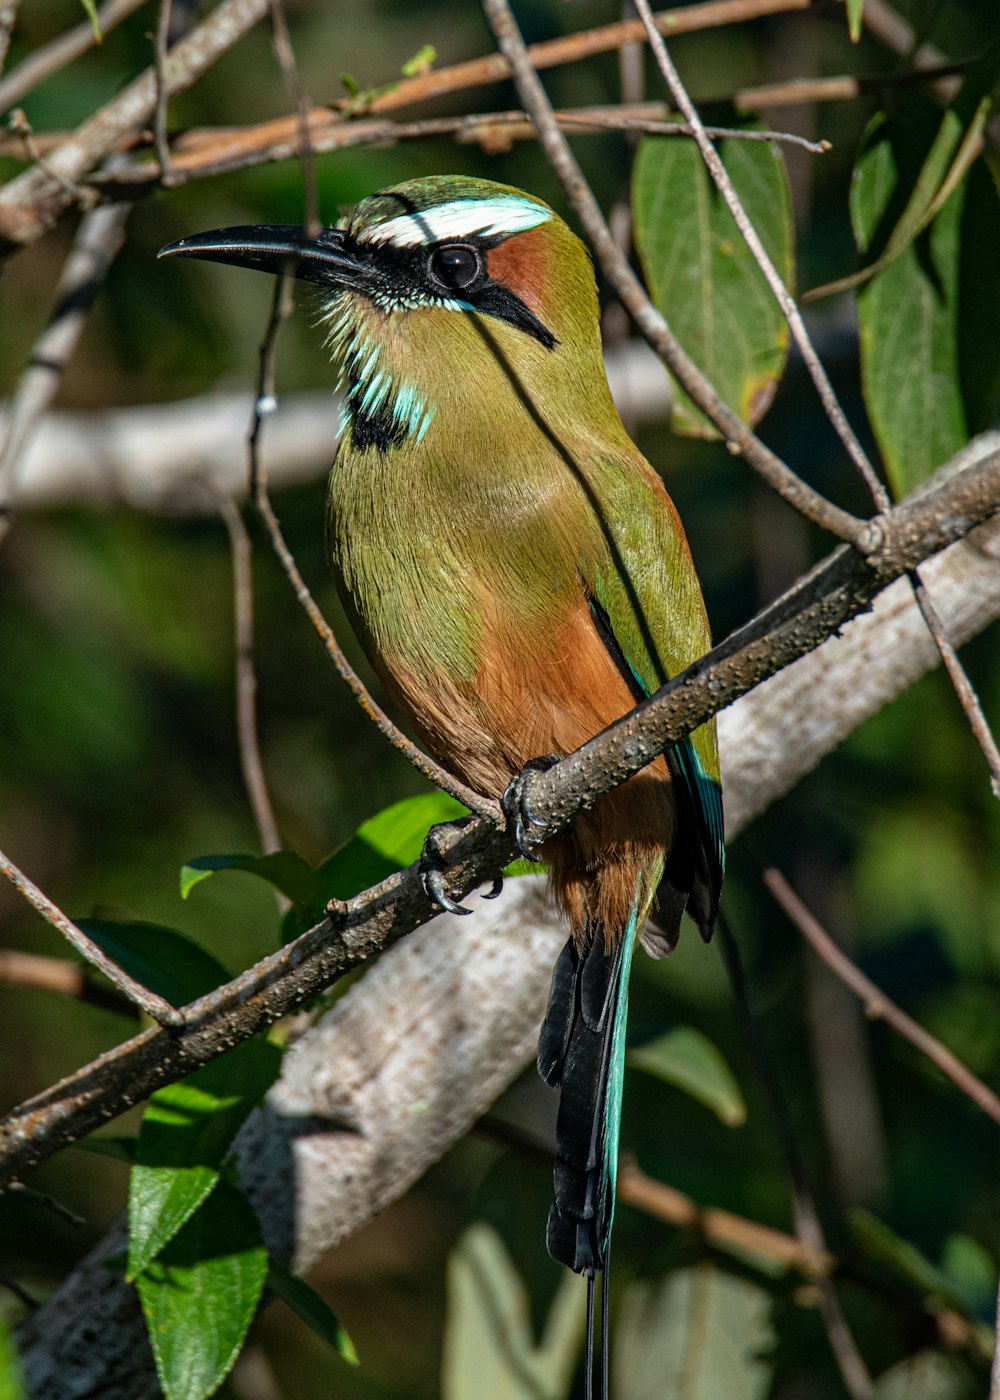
{"x":442,"y":296}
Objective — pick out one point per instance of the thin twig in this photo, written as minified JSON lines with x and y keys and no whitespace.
{"x":98,"y":240}
{"x":161,"y":140}
{"x":202,"y":153}
{"x":899,"y":35}
{"x":290,"y":72}
{"x":43,"y":1198}
{"x":718,"y":1228}
{"x":817,"y":608}
{"x":847,"y":87}
{"x":737,"y":436}
{"x":161,"y":1011}
{"x":34,"y":200}
{"x":65,"y":979}
{"x":22,"y":1295}
{"x":46,"y":61}
{"x":853,"y":1371}
{"x":610,"y":122}
{"x":264,"y":405}
{"x":211,"y":150}
{"x":964,"y":689}
{"x":878,"y":1006}
{"x":246,"y":679}
{"x":782,"y":296}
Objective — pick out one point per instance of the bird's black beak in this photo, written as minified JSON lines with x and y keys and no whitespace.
{"x":323,"y":258}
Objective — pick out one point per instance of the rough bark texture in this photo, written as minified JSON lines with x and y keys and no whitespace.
{"x":404,"y":1064}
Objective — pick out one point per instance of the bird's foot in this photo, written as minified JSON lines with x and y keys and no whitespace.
{"x":431,"y":868}
{"x":497,"y":887}
{"x":516,"y":804}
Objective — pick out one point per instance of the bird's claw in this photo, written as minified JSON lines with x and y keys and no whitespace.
{"x":497,"y":887}
{"x":431,"y":869}
{"x":516,"y":804}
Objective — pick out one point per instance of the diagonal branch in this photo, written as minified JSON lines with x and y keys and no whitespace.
{"x":450,"y":1015}
{"x":815,"y":609}
{"x":34,"y":201}
{"x":963,"y":687}
{"x":877,"y":1005}
{"x":735,"y":433}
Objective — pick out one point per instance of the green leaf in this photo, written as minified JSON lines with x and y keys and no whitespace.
{"x":314,"y":1311}
{"x":388,"y":842}
{"x":930,"y":1375}
{"x":186,"y":1133}
{"x":972,"y":1271}
{"x":700,"y":1334}
{"x":200,"y":1295}
{"x":881,"y":1242}
{"x":854,"y":9}
{"x":690,"y":1062}
{"x":11,"y":1379}
{"x":489,"y":1351}
{"x":702,"y":275}
{"x":930,"y":358}
{"x":287,"y":871}
{"x":90,"y":10}
{"x":167,"y":962}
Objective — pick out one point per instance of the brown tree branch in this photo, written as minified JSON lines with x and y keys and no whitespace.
{"x":963,"y":687}
{"x":44,"y":62}
{"x":878,"y":1006}
{"x":65,"y":979}
{"x":735,"y":433}
{"x":35,"y":200}
{"x":815,"y":609}
{"x":155,"y":1006}
{"x":246,"y":679}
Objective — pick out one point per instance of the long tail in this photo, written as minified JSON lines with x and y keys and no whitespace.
{"x":581,"y":1051}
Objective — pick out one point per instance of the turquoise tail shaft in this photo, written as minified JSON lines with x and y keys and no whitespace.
{"x":581,"y":1051}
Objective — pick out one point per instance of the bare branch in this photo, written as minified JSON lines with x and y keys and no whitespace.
{"x":815,"y":609}
{"x":782,"y":296}
{"x":246,"y":679}
{"x":293,"y":83}
{"x":48,"y":60}
{"x":808,"y":1226}
{"x":264,"y":405}
{"x":360,"y":1068}
{"x":97,"y":243}
{"x":160,"y":1010}
{"x":737,"y":436}
{"x":161,"y":142}
{"x":718,"y":1227}
{"x":964,"y":689}
{"x":877,"y":1005}
{"x":65,"y":979}
{"x":34,"y":201}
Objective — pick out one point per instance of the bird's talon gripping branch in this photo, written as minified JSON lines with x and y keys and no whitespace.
{"x":431,"y":868}
{"x":516,"y":804}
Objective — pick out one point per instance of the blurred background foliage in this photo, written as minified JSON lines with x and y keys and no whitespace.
{"x":118,"y":759}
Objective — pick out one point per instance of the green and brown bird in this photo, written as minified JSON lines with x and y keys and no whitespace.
{"x":519,"y":578}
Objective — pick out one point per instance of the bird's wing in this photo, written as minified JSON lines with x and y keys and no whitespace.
{"x":647,"y":607}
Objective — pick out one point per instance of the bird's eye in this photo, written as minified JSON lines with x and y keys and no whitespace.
{"x":455,"y":266}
